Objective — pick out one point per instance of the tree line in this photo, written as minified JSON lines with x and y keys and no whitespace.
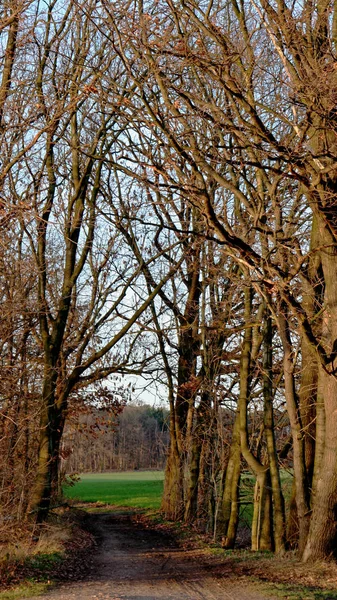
{"x":136,"y":439}
{"x":168,"y":208}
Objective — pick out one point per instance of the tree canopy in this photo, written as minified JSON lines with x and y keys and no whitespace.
{"x":168,"y":207}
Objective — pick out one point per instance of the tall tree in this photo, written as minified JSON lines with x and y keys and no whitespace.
{"x":89,"y":292}
{"x":261,"y":133}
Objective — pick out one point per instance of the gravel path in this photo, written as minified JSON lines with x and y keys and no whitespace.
{"x":133,"y":562}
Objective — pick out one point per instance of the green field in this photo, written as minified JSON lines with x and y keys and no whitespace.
{"x":144,"y":489}
{"x":141,"y":489}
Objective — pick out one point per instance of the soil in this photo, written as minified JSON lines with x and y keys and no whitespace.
{"x":133,"y":561}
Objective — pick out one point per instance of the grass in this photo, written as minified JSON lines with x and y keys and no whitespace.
{"x":299,"y":592}
{"x":44,"y":563}
{"x":33,"y":567}
{"x":137,"y":489}
{"x":41,"y":566}
{"x":38,"y":558}
{"x":284,"y":577}
{"x":26,"y":590}
{"x":143,"y":489}
{"x":247,"y":486}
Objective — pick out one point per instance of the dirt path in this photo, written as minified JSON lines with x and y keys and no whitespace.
{"x":133,"y":562}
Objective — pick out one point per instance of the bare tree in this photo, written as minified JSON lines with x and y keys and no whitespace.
{"x":219,"y":120}
{"x":260,"y":132}
{"x":89,"y":292}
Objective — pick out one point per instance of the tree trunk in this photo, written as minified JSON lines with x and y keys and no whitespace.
{"x":302,"y":492}
{"x":322,"y":537}
{"x":292,"y":521}
{"x":262,"y":533}
{"x":313,"y":298}
{"x":51,"y":429}
{"x":278,"y":500}
{"x":191,"y":499}
{"x":182,"y":409}
{"x":173,"y":497}
{"x":230,"y":502}
{"x":205,"y":508}
{"x":260,"y":540}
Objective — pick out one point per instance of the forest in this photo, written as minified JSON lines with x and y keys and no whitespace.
{"x":168,"y":209}
{"x":137,"y":439}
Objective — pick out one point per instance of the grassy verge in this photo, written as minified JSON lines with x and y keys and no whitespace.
{"x":37,"y":572}
{"x":34,"y":562}
{"x":25,"y":590}
{"x":285,"y":577}
{"x":299,"y":592}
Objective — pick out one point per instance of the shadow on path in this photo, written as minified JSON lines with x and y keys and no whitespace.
{"x":134,"y":562}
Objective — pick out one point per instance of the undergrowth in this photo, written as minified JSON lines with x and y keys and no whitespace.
{"x":31,"y":559}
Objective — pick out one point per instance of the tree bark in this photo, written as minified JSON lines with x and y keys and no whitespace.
{"x":302,"y":492}
{"x":230,"y":501}
{"x":51,"y":430}
{"x":278,"y":500}
{"x":261,"y":530}
{"x":198,"y":438}
{"x":182,"y":408}
{"x":322,"y":537}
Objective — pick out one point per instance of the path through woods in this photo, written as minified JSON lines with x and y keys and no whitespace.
{"x":134,"y":562}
